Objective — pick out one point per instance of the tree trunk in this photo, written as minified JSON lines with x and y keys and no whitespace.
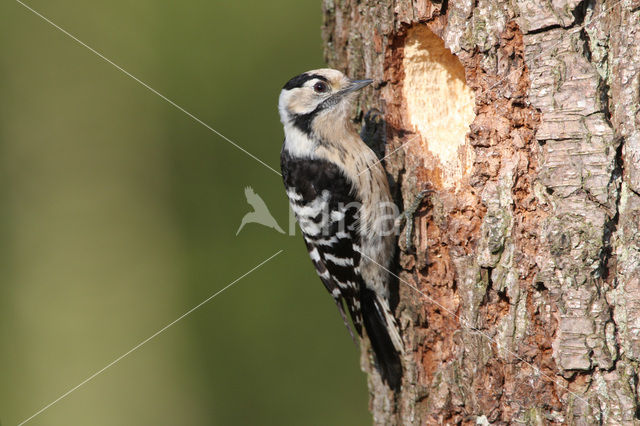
{"x":521,"y":300}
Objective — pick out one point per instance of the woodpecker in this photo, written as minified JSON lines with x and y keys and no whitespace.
{"x":340,"y":195}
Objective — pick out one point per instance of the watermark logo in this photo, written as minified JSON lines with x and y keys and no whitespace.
{"x":315,"y":218}
{"x":260,"y":213}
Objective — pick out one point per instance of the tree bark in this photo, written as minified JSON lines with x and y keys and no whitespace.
{"x":521,"y":300}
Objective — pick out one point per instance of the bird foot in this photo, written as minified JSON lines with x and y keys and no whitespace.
{"x":374,"y":132}
{"x":407,"y":216}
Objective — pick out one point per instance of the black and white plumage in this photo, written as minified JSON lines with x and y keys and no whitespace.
{"x":339,"y":193}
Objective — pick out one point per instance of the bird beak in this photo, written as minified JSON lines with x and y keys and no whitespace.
{"x":357,"y":85}
{"x":339,"y":96}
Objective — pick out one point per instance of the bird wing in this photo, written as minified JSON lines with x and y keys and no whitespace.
{"x":256,"y":201}
{"x":327,"y":213}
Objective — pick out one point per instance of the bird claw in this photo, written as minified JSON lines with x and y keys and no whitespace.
{"x":408,"y":215}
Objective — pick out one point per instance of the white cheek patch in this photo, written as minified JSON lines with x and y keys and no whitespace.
{"x":303,"y":101}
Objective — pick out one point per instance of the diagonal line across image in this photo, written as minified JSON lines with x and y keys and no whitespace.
{"x":145,"y":341}
{"x":145,"y":85}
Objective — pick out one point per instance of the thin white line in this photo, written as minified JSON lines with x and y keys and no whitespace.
{"x":476,"y":330}
{"x":91,"y":377}
{"x":145,"y":85}
{"x":389,"y":154}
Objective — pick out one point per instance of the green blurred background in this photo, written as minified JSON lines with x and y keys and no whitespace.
{"x":119,"y":213}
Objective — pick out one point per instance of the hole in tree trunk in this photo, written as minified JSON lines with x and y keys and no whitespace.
{"x":439,"y":102}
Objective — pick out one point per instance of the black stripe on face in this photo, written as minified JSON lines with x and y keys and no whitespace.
{"x":303,"y":121}
{"x":300,"y":80}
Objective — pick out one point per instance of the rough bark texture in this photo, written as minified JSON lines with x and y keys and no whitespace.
{"x":526,"y":272}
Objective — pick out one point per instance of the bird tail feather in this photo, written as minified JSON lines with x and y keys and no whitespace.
{"x":385,"y":339}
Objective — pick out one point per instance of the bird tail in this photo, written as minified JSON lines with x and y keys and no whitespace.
{"x":385,"y":340}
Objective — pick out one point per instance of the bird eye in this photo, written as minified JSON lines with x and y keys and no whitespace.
{"x":321,"y":87}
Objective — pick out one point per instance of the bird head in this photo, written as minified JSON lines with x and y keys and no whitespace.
{"x":317,"y":96}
